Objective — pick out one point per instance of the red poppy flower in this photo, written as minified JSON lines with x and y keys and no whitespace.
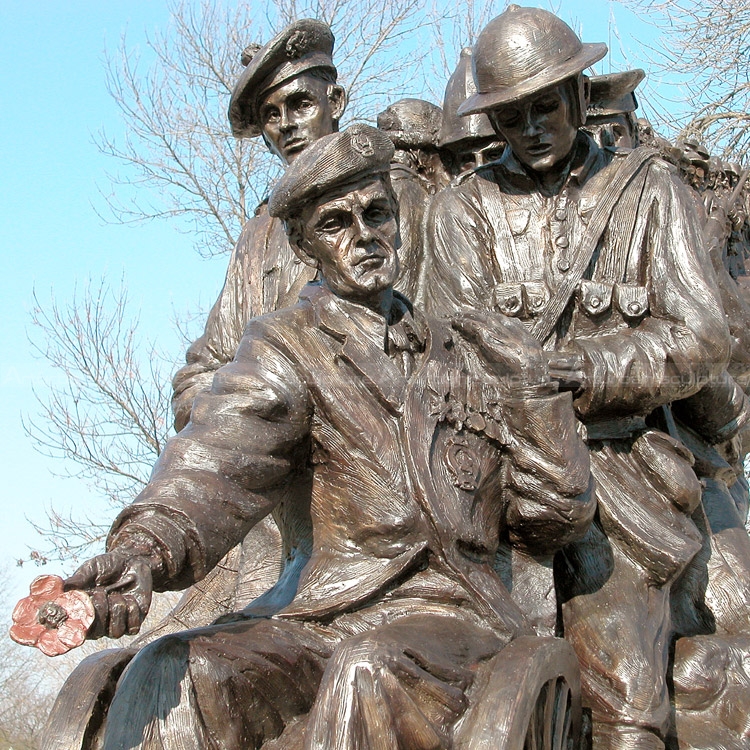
{"x":53,"y":620}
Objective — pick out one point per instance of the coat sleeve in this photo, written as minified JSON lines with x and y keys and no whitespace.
{"x":684,"y":341}
{"x":458,"y":272}
{"x":247,"y":438}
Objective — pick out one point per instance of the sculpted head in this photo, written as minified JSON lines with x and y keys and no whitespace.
{"x":528,"y":70}
{"x":341,"y":215}
{"x":471,"y":141}
{"x":288,"y":92}
{"x":610,"y":117}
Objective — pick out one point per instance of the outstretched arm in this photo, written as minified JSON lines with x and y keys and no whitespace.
{"x":213,"y":482}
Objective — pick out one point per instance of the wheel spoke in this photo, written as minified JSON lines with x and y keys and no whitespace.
{"x":548,"y":718}
{"x":563,"y":715}
{"x":535,"y":733}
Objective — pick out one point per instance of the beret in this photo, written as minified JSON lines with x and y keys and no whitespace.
{"x":613,"y":93}
{"x":411,"y":123}
{"x":301,"y":46}
{"x":331,"y":161}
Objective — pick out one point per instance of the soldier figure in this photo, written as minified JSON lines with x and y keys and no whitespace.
{"x":417,"y":173}
{"x":600,"y":254}
{"x":610,"y":114}
{"x":288,"y":95}
{"x":466,"y":142}
{"x":431,"y":445}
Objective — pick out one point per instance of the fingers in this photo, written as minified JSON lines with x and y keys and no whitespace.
{"x":473,"y":323}
{"x":561,"y":361}
{"x":120,"y":591}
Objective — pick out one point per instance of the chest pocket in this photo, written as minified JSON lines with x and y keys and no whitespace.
{"x":631,"y":300}
{"x":596,"y":297}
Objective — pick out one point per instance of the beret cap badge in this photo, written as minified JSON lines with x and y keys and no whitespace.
{"x":298,"y":44}
{"x":362,"y":144}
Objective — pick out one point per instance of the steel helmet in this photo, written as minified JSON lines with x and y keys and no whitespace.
{"x":457,"y":129}
{"x":522,"y":51}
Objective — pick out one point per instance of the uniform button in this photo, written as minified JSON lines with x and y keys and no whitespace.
{"x":562,"y":241}
{"x":595,"y":302}
{"x":563,"y":264}
{"x":561,"y":214}
{"x":634,"y":308}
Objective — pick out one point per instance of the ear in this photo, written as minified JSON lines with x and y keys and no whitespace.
{"x":338,"y":100}
{"x":298,"y":244}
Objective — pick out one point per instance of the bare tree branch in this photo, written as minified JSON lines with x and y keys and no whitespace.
{"x":107,"y":414}
{"x":703,"y":53}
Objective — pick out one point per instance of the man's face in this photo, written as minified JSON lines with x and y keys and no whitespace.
{"x":353,"y":238}
{"x":539,"y":128}
{"x":613,"y":130}
{"x":475,"y":154}
{"x":296,"y":114}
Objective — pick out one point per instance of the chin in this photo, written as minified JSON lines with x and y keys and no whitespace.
{"x":541,"y":163}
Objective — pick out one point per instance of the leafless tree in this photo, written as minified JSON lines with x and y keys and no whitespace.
{"x":173,"y":102}
{"x":106,"y":412}
{"x":453,"y":29}
{"x":704,"y":52}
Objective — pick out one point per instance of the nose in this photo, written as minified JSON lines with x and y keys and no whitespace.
{"x":531,"y":125}
{"x":362,"y":230}
{"x":285,"y":122}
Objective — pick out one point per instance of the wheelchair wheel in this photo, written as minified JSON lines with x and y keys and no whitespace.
{"x":526,"y":698}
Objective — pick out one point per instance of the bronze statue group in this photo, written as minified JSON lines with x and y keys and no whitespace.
{"x":473,"y":388}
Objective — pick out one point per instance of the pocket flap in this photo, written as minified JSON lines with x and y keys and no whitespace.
{"x":536,"y":296}
{"x":508,"y":299}
{"x":595,"y":297}
{"x":631,"y":300}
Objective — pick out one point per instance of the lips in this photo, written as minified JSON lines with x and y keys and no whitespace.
{"x":293,"y":147}
{"x":369,"y":262}
{"x":539,"y":149}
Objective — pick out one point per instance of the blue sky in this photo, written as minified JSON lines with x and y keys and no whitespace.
{"x":52,"y":99}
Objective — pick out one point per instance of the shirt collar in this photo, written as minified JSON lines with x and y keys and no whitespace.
{"x":372,"y":324}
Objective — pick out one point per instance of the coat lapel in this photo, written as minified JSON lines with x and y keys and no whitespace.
{"x":381,"y":376}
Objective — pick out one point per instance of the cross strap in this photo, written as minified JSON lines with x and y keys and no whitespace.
{"x":631,"y":166}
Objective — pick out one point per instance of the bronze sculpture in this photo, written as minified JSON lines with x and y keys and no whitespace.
{"x":288,"y":94}
{"x":417,"y":173}
{"x":610,"y":114}
{"x":466,"y":142}
{"x":428,"y":473}
{"x":431,"y":444}
{"x":564,"y":236}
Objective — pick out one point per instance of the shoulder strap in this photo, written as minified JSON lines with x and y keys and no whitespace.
{"x":600,"y":217}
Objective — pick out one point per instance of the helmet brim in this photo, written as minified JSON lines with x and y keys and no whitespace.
{"x":587,"y":56}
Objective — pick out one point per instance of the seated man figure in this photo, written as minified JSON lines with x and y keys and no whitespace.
{"x":431,"y":443}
